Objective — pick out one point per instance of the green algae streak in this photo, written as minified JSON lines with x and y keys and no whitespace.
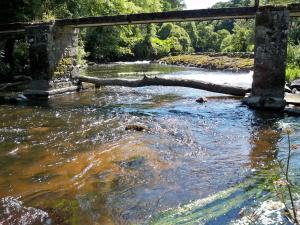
{"x":210,"y":208}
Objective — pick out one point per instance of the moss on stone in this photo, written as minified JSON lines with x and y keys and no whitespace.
{"x":65,"y":212}
{"x":63,"y":66}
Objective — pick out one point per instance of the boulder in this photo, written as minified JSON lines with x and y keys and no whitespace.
{"x":201,"y":100}
{"x":287,"y":89}
{"x":136,"y":127}
{"x":133,"y":163}
{"x":292,"y":110}
{"x":12,"y":211}
{"x":13,"y":99}
{"x":295,"y":84}
{"x":295,"y":91}
{"x":74,"y":72}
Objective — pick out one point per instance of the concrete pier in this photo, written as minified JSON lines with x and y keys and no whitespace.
{"x":271,"y":36}
{"x":53,"y":59}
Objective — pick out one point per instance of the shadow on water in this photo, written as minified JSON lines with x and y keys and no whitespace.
{"x":73,"y":159}
{"x":225,"y":206}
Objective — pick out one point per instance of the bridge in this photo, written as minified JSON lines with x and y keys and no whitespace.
{"x":53,"y":47}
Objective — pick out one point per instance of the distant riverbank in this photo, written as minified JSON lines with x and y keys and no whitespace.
{"x":211,"y":62}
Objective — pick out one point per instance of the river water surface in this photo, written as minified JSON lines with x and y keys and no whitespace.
{"x":71,"y":161}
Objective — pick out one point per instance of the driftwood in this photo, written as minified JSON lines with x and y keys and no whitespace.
{"x":4,"y":87}
{"x":147,"y":81}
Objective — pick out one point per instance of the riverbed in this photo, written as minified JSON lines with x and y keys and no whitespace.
{"x":72,"y":160}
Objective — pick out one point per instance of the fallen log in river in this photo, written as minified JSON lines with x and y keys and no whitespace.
{"x":156,"y":81}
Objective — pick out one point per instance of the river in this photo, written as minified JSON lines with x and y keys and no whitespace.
{"x":70,"y":159}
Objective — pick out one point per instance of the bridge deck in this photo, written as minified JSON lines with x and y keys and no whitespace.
{"x":160,"y":17}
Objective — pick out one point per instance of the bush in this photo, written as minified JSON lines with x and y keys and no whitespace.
{"x":293,"y":60}
{"x":293,"y":55}
{"x":292,"y":73}
{"x":178,"y":36}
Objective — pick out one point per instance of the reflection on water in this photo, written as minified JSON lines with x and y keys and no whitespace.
{"x":72,"y":159}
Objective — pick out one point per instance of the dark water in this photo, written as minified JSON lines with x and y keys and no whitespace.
{"x":71,"y":161}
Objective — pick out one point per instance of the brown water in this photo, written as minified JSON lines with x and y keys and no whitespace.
{"x":71,"y":161}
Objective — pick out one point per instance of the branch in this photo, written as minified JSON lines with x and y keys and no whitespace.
{"x":4,"y":87}
{"x":147,"y":81}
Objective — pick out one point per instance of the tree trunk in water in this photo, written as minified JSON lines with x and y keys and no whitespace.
{"x":147,"y":81}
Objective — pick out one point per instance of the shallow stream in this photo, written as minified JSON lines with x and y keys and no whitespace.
{"x":71,"y":161}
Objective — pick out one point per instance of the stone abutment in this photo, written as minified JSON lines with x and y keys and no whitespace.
{"x":53,"y":59}
{"x":271,"y":37}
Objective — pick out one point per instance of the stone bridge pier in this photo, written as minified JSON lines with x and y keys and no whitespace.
{"x":271,"y":38}
{"x":53,"y":59}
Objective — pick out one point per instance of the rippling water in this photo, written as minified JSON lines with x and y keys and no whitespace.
{"x":71,"y":161}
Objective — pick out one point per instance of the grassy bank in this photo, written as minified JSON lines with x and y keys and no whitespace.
{"x":211,"y":62}
{"x":223,"y":63}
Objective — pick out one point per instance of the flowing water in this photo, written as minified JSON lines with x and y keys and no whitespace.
{"x":71,"y":161}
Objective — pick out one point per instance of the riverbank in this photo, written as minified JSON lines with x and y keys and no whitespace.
{"x":215,"y":62}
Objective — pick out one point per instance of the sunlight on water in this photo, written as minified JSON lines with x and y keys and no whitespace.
{"x":241,"y":79}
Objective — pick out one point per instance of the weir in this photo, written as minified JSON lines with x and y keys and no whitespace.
{"x":53,"y":47}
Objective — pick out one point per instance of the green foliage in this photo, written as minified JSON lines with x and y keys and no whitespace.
{"x":65,"y":212}
{"x":160,"y":47}
{"x":293,"y":56}
{"x":169,"y":5}
{"x":208,"y":39}
{"x":279,"y":2}
{"x":177,"y":35}
{"x":293,"y":60}
{"x":19,"y":63}
{"x":292,"y":73}
{"x":21,"y":53}
{"x":241,"y":39}
{"x":81,"y":54}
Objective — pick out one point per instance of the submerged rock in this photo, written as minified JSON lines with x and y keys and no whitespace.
{"x":13,"y":99}
{"x":65,"y":211}
{"x":269,"y":212}
{"x":136,"y":127}
{"x":295,"y":91}
{"x":12,"y":211}
{"x":287,"y":89}
{"x":201,"y":100}
{"x":133,"y":163}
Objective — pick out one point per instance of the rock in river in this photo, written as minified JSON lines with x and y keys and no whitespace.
{"x":201,"y":100}
{"x":136,"y":127}
{"x":295,"y":84}
{"x":12,"y":211}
